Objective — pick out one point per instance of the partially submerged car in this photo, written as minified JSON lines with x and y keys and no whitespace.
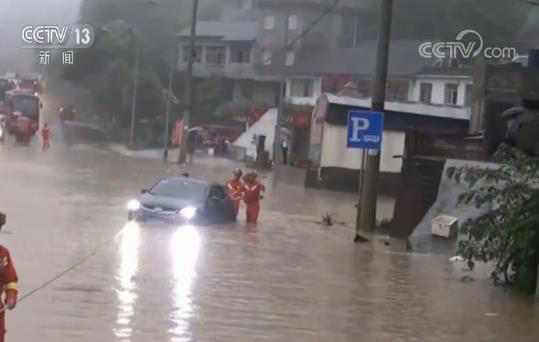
{"x":182,"y":200}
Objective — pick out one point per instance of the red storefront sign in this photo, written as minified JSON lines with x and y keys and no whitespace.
{"x":302,"y":119}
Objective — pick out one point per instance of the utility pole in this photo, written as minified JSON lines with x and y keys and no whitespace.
{"x":134,"y":99}
{"x":369,"y":191}
{"x":354,"y":40}
{"x":282,"y":87}
{"x":188,"y":99}
{"x":167,"y":118}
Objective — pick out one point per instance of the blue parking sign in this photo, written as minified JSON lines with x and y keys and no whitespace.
{"x":365,"y":130}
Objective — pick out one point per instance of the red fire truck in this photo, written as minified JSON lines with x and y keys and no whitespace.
{"x":30,"y":83}
{"x":22,"y":109}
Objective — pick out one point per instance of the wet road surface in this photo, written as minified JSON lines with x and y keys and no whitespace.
{"x":287,"y":280}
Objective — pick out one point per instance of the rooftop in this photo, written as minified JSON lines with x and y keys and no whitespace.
{"x":463,"y":71}
{"x":226,"y":31}
{"x":404,"y":60}
{"x":444,"y":111}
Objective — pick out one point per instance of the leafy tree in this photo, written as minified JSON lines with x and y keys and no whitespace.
{"x":119,"y":74}
{"x":107,"y":70}
{"x":111,"y":95}
{"x":508,"y":234}
{"x":149,"y":96}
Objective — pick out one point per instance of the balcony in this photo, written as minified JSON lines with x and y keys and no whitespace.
{"x":230,"y":70}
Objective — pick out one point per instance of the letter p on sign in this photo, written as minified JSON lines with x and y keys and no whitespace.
{"x":358,"y":125}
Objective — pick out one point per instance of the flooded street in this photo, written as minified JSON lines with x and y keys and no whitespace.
{"x":289,"y":279}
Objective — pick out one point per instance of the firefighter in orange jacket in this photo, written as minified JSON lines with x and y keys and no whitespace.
{"x":253,"y":193}
{"x":46,"y":135}
{"x":8,"y":282}
{"x":234,"y":188}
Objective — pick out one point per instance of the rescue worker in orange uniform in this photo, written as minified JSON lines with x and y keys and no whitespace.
{"x":253,"y":193}
{"x":8,"y":283}
{"x":234,"y":188}
{"x":46,"y":135}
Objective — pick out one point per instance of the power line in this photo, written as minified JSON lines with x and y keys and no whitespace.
{"x":303,"y":33}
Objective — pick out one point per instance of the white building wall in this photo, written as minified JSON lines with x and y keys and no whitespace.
{"x":336,"y":154}
{"x":413,"y":91}
{"x":438,"y":89}
{"x":264,"y":126}
{"x":462,"y":92}
{"x":304,"y":101}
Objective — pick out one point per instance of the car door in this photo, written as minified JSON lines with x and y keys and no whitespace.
{"x":217,"y":202}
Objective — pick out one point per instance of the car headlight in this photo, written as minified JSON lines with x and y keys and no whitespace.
{"x":133,"y":205}
{"x":188,"y":212}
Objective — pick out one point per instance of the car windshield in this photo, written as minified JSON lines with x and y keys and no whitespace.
{"x":27,"y":105}
{"x":181,"y":189}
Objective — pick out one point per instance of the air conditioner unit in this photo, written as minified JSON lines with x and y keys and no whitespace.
{"x":445,"y":226}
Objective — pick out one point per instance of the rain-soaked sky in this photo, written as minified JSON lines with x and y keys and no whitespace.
{"x":18,"y":13}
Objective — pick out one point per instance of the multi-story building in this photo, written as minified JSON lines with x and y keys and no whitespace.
{"x":327,"y":30}
{"x":246,"y":47}
{"x":226,"y":50}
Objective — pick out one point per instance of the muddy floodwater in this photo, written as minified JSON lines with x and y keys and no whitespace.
{"x":288,"y":279}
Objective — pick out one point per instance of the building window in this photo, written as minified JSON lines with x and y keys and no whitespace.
{"x":266,"y":57}
{"x":468,"y":96}
{"x":301,"y":88}
{"x":241,"y":55}
{"x":215,"y":55}
{"x":451,"y":94}
{"x":269,"y":22}
{"x":293,"y":22}
{"x":185,"y":54}
{"x":290,"y":58}
{"x":425,"y":92}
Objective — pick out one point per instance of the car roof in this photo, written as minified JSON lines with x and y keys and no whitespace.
{"x":16,"y":92}
{"x":187,"y":179}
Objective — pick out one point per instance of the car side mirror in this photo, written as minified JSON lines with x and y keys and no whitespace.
{"x":143,"y":191}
